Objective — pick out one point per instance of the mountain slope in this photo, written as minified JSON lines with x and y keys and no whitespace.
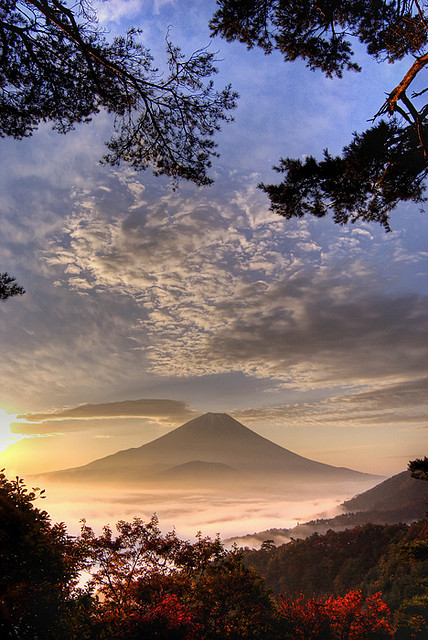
{"x":400,"y":498}
{"x":211,"y":439}
{"x":399,"y":493}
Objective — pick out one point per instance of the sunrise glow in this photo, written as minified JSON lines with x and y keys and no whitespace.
{"x":7,"y":437}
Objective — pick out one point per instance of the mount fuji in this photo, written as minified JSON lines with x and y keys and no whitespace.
{"x":212,"y":451}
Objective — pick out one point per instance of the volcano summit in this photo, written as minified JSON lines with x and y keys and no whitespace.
{"x":212,"y":451}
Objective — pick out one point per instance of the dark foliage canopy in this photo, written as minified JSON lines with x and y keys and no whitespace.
{"x":143,"y":584}
{"x":155,"y":585}
{"x":57,"y":65}
{"x":391,"y":559}
{"x":9,"y":287}
{"x":419,"y":468}
{"x":39,"y":570}
{"x":385,"y":164}
{"x":323,"y":564}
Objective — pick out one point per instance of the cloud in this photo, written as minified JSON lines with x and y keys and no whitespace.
{"x":162,"y":410}
{"x":109,"y":12}
{"x":132,"y":287}
{"x":219,"y":285}
{"x":402,"y":404}
{"x":312,"y":335}
{"x":397,"y":396}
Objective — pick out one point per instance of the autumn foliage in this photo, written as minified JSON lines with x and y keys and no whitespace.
{"x":349,"y":617}
{"x":168,"y":619}
{"x":147,"y":585}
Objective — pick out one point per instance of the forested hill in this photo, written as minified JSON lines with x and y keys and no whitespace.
{"x":401,"y":498}
{"x":391,"y":559}
{"x":141,"y":583}
{"x":400,"y":494}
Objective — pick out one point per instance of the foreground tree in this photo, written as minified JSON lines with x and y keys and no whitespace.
{"x":9,"y":287}
{"x":56,"y":65}
{"x":349,"y":617}
{"x":153,"y":585}
{"x":39,"y":570}
{"x":419,"y":468}
{"x":385,"y":164}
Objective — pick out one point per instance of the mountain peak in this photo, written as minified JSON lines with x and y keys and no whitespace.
{"x":214,"y":416}
{"x":214,"y":419}
{"x":214,"y":413}
{"x":210,"y":440}
{"x":215,"y":432}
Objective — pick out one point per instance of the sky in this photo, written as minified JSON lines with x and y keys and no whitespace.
{"x":146,"y":307}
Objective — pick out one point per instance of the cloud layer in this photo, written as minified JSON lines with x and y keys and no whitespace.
{"x":143,"y":408}
{"x":221,"y":285}
{"x":145,"y":306}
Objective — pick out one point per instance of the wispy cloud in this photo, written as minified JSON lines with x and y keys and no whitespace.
{"x":221,"y":286}
{"x":394,"y":404}
{"x":137,"y":285}
{"x":154,"y":408}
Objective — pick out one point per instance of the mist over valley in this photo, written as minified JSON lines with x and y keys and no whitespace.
{"x":212,"y":474}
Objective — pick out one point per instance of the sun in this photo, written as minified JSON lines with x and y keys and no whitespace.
{"x":7,"y":437}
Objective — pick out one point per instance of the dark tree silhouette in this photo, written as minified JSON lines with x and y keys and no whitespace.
{"x":57,"y":65}
{"x":158,"y":586}
{"x":39,"y":571}
{"x":9,"y":287}
{"x":385,"y":164}
{"x":419,"y":468}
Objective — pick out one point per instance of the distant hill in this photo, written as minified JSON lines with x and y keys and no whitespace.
{"x":213,"y":450}
{"x":401,"y":495}
{"x":400,"y":498}
{"x":205,"y":472}
{"x":389,"y":559}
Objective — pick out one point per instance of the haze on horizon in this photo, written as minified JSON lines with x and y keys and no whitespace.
{"x":146,"y":307}
{"x":212,"y":474}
